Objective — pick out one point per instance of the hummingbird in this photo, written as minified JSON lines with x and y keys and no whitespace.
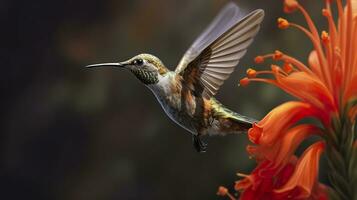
{"x":187,"y":93}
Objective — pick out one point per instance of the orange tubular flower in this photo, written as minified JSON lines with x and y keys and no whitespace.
{"x":295,"y":180}
{"x":326,"y":90}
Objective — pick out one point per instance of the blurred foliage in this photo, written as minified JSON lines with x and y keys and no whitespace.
{"x":69,"y":133}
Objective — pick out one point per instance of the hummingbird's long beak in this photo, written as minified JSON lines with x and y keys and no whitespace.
{"x":107,"y":65}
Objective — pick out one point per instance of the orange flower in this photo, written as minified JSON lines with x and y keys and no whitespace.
{"x":282,"y":149}
{"x":329,"y":83}
{"x":305,"y":174}
{"x":275,"y":123}
{"x":296,"y":180}
{"x":260,"y":184}
{"x":327,"y":91}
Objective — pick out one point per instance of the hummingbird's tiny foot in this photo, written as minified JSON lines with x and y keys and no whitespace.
{"x":198,"y":144}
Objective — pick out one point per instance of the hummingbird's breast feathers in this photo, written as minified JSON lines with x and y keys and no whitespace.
{"x":168,"y":89}
{"x":175,"y":94}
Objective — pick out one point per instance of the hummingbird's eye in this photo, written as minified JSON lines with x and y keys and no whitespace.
{"x":138,"y":62}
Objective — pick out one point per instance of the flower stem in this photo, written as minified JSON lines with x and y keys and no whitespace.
{"x":341,"y":156}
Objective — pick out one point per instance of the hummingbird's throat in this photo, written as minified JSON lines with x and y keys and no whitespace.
{"x":146,"y":77}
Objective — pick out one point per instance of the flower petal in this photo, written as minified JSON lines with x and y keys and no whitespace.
{"x":314,"y":62}
{"x":310,"y":89}
{"x":281,"y":152}
{"x":351,"y":90}
{"x":305,"y":175}
{"x":277,"y":121}
{"x":259,"y":186}
{"x":354,"y":7}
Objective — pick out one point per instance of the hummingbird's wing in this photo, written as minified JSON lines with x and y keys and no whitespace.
{"x":212,"y":57}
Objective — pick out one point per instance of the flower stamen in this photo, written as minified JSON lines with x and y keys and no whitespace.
{"x":259,"y":59}
{"x":290,"y":6}
{"x":223,"y":191}
{"x":288,"y":68}
{"x":325,"y":37}
{"x":244,"y":81}
{"x":331,"y":24}
{"x":277,"y":55}
{"x":251,"y":73}
{"x":299,"y":65}
{"x":242,"y":175}
{"x":309,"y":21}
{"x":322,"y":60}
{"x":283,"y":23}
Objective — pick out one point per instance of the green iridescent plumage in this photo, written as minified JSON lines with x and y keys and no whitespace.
{"x":220,"y":111}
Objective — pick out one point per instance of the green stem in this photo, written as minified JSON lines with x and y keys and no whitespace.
{"x":341,"y":156}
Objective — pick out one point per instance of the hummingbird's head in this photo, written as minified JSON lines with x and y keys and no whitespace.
{"x":146,"y":67}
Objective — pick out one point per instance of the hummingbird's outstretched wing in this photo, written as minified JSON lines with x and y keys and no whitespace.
{"x":212,"y":57}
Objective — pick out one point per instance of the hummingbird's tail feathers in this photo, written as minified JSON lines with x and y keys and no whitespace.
{"x":243,"y":123}
{"x":225,"y":125}
{"x":228,"y":121}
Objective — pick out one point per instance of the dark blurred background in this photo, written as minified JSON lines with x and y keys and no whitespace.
{"x":70,"y":134}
